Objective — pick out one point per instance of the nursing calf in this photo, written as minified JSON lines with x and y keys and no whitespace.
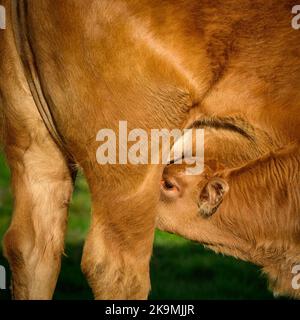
{"x":250,"y":212}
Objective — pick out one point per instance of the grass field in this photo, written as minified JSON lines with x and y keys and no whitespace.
{"x":180,"y":269}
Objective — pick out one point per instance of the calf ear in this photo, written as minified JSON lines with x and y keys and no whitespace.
{"x":211,"y":196}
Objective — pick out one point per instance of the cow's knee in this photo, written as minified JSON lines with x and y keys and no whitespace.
{"x":17,"y":250}
{"x":116,"y":275}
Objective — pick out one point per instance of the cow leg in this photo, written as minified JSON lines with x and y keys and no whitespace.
{"x":119,"y":244}
{"x":42,"y":187}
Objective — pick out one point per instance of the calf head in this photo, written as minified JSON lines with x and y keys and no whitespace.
{"x":250,"y":212}
{"x":198,"y":194}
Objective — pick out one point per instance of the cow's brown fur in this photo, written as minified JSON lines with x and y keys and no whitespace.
{"x":156,"y":64}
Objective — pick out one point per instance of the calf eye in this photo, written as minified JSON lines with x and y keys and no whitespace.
{"x":168,"y":185}
{"x":169,"y":189}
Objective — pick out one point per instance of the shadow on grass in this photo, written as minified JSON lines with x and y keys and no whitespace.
{"x":181,"y":271}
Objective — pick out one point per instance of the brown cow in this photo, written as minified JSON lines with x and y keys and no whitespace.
{"x":258,"y":220}
{"x":68,"y":69}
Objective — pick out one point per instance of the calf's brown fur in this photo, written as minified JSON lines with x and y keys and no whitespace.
{"x":255,"y":208}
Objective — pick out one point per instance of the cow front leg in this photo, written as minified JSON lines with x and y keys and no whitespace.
{"x":118,"y":248}
{"x":42,"y":187}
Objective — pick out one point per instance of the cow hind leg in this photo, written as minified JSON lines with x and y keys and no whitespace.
{"x":42,"y":186}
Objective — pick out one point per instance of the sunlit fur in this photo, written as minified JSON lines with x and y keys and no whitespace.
{"x":156,"y":64}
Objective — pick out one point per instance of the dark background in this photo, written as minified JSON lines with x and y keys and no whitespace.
{"x":180,"y":269}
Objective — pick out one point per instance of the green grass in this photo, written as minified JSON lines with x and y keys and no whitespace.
{"x":180,"y":269}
